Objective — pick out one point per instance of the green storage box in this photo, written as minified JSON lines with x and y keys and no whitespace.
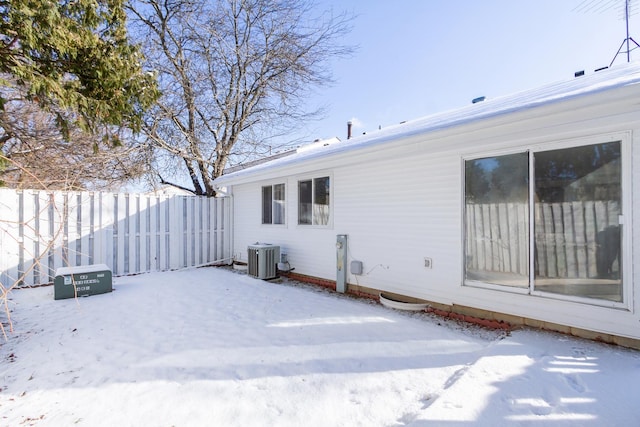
{"x":82,"y":281}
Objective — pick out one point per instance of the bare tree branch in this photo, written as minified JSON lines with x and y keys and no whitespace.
{"x":233,"y":73}
{"x":42,"y":156}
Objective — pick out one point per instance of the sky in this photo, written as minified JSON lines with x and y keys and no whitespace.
{"x":415,"y":57}
{"x":214,"y":347}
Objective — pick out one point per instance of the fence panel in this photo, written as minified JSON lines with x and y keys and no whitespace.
{"x":131,"y":233}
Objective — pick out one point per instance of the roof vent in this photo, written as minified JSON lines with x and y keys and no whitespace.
{"x":578,"y":73}
{"x":478,"y":99}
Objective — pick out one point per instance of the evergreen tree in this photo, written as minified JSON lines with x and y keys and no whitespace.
{"x":73,"y":59}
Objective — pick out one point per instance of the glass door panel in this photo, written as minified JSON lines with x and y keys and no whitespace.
{"x":497,"y":220}
{"x":577,"y":204}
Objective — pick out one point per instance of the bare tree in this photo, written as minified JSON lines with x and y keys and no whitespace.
{"x":36,"y":153}
{"x":233,"y":74}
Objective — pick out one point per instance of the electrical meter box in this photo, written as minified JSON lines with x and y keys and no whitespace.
{"x":82,"y":281}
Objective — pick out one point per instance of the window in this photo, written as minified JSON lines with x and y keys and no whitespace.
{"x":314,"y":201}
{"x":273,"y":204}
{"x":547,"y":221}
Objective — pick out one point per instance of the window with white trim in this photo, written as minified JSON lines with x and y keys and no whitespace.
{"x":548,"y":221}
{"x":273,"y":204}
{"x":314,"y":201}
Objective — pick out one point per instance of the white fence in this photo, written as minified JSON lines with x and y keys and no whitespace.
{"x":130,"y":233}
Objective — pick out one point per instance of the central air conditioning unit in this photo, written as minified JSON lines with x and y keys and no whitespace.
{"x":263,"y":261}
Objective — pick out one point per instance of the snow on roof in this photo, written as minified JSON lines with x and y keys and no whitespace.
{"x":318,"y":144}
{"x":619,"y":76}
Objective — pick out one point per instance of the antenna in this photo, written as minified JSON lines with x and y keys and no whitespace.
{"x":627,"y":39}
{"x":601,"y":6}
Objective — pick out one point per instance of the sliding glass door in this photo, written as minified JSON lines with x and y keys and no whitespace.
{"x":547,"y":221}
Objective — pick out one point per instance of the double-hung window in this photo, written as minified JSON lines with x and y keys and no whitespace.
{"x":314,"y":201}
{"x":547,"y":221}
{"x":273,"y":204}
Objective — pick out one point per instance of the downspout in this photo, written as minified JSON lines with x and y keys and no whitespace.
{"x":232,"y":228}
{"x":227,"y":192}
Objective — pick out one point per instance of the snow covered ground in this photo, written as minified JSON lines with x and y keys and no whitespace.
{"x":211,"y":347}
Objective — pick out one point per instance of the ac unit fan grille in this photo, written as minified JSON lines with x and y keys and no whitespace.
{"x":262,"y":261}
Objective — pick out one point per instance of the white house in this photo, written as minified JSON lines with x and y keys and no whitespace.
{"x":521,"y":208}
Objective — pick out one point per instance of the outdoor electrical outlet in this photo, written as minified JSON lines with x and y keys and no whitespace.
{"x":428,"y":263}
